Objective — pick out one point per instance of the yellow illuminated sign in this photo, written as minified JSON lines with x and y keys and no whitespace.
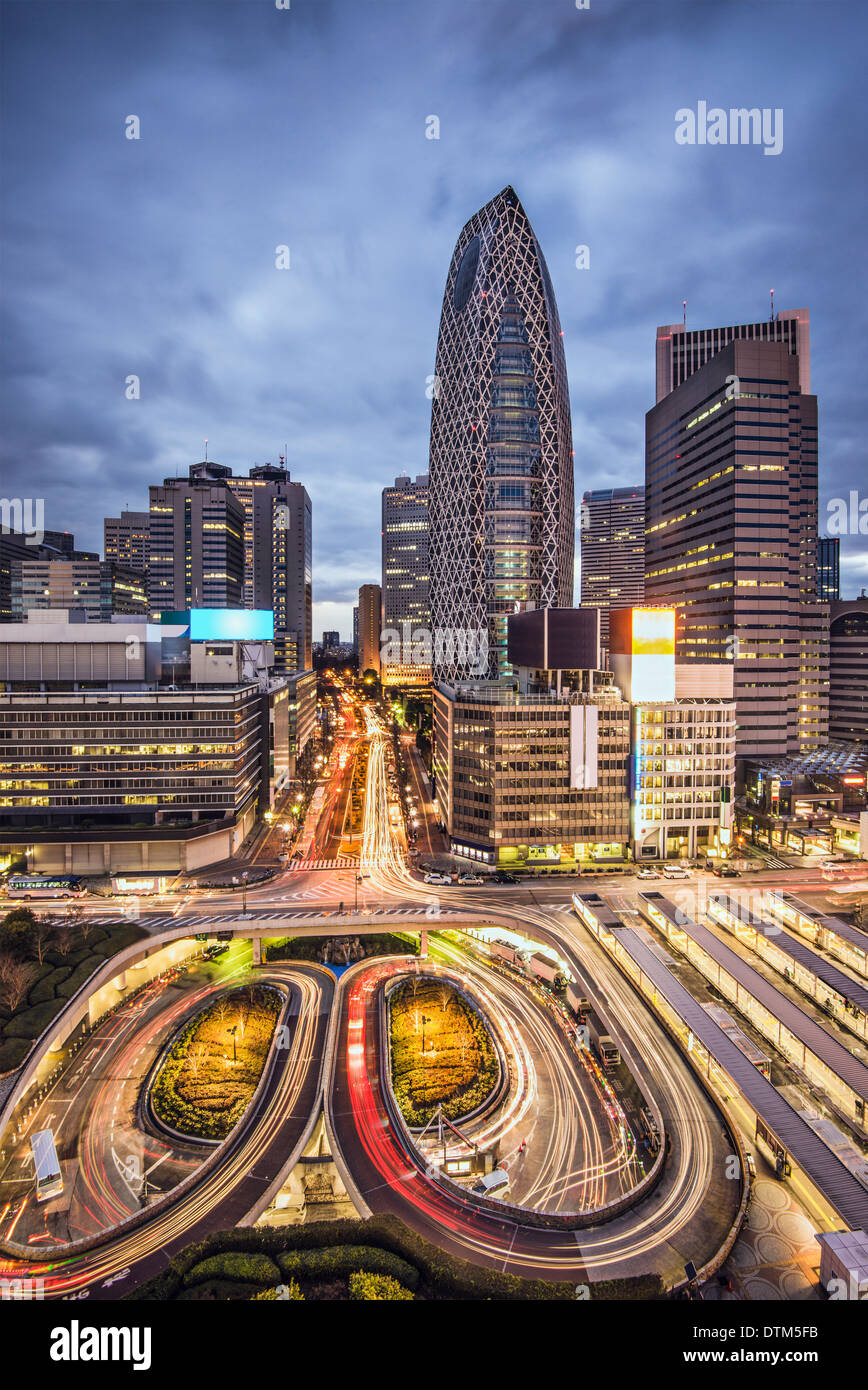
{"x":654,"y":632}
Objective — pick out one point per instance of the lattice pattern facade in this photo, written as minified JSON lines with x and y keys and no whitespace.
{"x":502,"y":529}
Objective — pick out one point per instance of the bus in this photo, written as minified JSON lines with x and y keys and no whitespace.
{"x":44,"y":886}
{"x":49,"y":1179}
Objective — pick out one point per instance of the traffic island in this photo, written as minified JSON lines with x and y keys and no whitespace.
{"x":207,"y":1076}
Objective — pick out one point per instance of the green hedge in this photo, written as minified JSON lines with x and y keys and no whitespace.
{"x":80,"y":975}
{"x":12,"y":1053}
{"x":29,"y":1023}
{"x":289,"y":1293}
{"x":46,"y":988}
{"x":338,"y":1261}
{"x":249,"y":1267}
{"x":442,"y":1275}
{"x":376,"y":1287}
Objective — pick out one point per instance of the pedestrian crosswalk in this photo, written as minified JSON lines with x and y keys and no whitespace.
{"x":341,"y":862}
{"x":235,"y":920}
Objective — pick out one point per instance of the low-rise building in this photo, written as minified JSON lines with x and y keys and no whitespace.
{"x":111,"y":760}
{"x":97,"y":587}
{"x":567,"y":765}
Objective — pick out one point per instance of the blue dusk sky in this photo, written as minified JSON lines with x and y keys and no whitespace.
{"x":305,"y":127}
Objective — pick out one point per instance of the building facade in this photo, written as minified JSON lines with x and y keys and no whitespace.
{"x":108,"y":763}
{"x":370,"y":609}
{"x":97,"y":587}
{"x":682,"y":351}
{"x":683,"y":777}
{"x":531,"y":779}
{"x":848,"y":670}
{"x":501,"y":493}
{"x":125,"y":540}
{"x":196,"y":542}
{"x":731,"y":536}
{"x":278,"y":559}
{"x":578,"y":767}
{"x":405,"y":582}
{"x":828,"y":568}
{"x":612,"y":555}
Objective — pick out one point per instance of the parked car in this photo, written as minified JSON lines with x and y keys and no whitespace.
{"x":647,"y":873}
{"x":726,"y":871}
{"x":470,"y":878}
{"x":438,"y":878}
{"x":502,"y":877}
{"x":674,"y":871}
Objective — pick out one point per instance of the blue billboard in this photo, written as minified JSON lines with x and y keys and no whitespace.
{"x":231,"y":624}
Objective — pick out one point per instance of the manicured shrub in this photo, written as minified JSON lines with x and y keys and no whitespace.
{"x":375,"y":1287}
{"x":250,"y":1267}
{"x":338,"y":1261}
{"x":12,"y":1053}
{"x":29,"y":1023}
{"x":46,"y":988}
{"x":284,"y":1293}
{"x":442,"y":1276}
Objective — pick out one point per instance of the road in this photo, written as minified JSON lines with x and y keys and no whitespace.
{"x":247,"y":1163}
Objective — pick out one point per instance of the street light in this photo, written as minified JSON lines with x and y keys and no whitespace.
{"x":359,"y":879}
{"x":425,"y":1019}
{"x":232,"y":1031}
{"x":244,"y":877}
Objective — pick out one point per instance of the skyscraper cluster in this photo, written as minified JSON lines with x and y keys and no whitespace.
{"x":723,"y":536}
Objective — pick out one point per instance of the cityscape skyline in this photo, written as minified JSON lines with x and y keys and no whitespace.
{"x":583,"y":178}
{"x":516,"y":948}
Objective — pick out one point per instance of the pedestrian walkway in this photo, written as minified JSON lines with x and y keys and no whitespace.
{"x":305,"y":865}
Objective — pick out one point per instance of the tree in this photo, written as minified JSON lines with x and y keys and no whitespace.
{"x":197,"y":1057}
{"x":16,"y":977}
{"x":18,"y":933}
{"x":44,"y":934}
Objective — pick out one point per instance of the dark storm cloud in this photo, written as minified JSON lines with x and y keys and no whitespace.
{"x":260,"y":127}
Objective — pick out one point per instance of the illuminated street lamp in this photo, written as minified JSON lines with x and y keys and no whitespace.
{"x":424,"y":1019}
{"x":359,"y":879}
{"x":232,"y":1031}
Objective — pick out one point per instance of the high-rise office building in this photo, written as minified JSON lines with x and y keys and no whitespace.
{"x":731,"y":531}
{"x":370,"y":611}
{"x":828,"y":569}
{"x":96,"y":587}
{"x":682,"y":351}
{"x":848,"y":670}
{"x":612,"y":551}
{"x":278,"y":559}
{"x":196,"y":540}
{"x":356,"y":629}
{"x":406,"y":601}
{"x":501,"y":500}
{"x":125,"y":540}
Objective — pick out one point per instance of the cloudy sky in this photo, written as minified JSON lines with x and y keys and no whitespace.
{"x":305,"y":127}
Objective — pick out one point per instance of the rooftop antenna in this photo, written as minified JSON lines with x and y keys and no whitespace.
{"x":684,"y":312}
{"x":206,"y":450}
{"x":772,"y":319}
